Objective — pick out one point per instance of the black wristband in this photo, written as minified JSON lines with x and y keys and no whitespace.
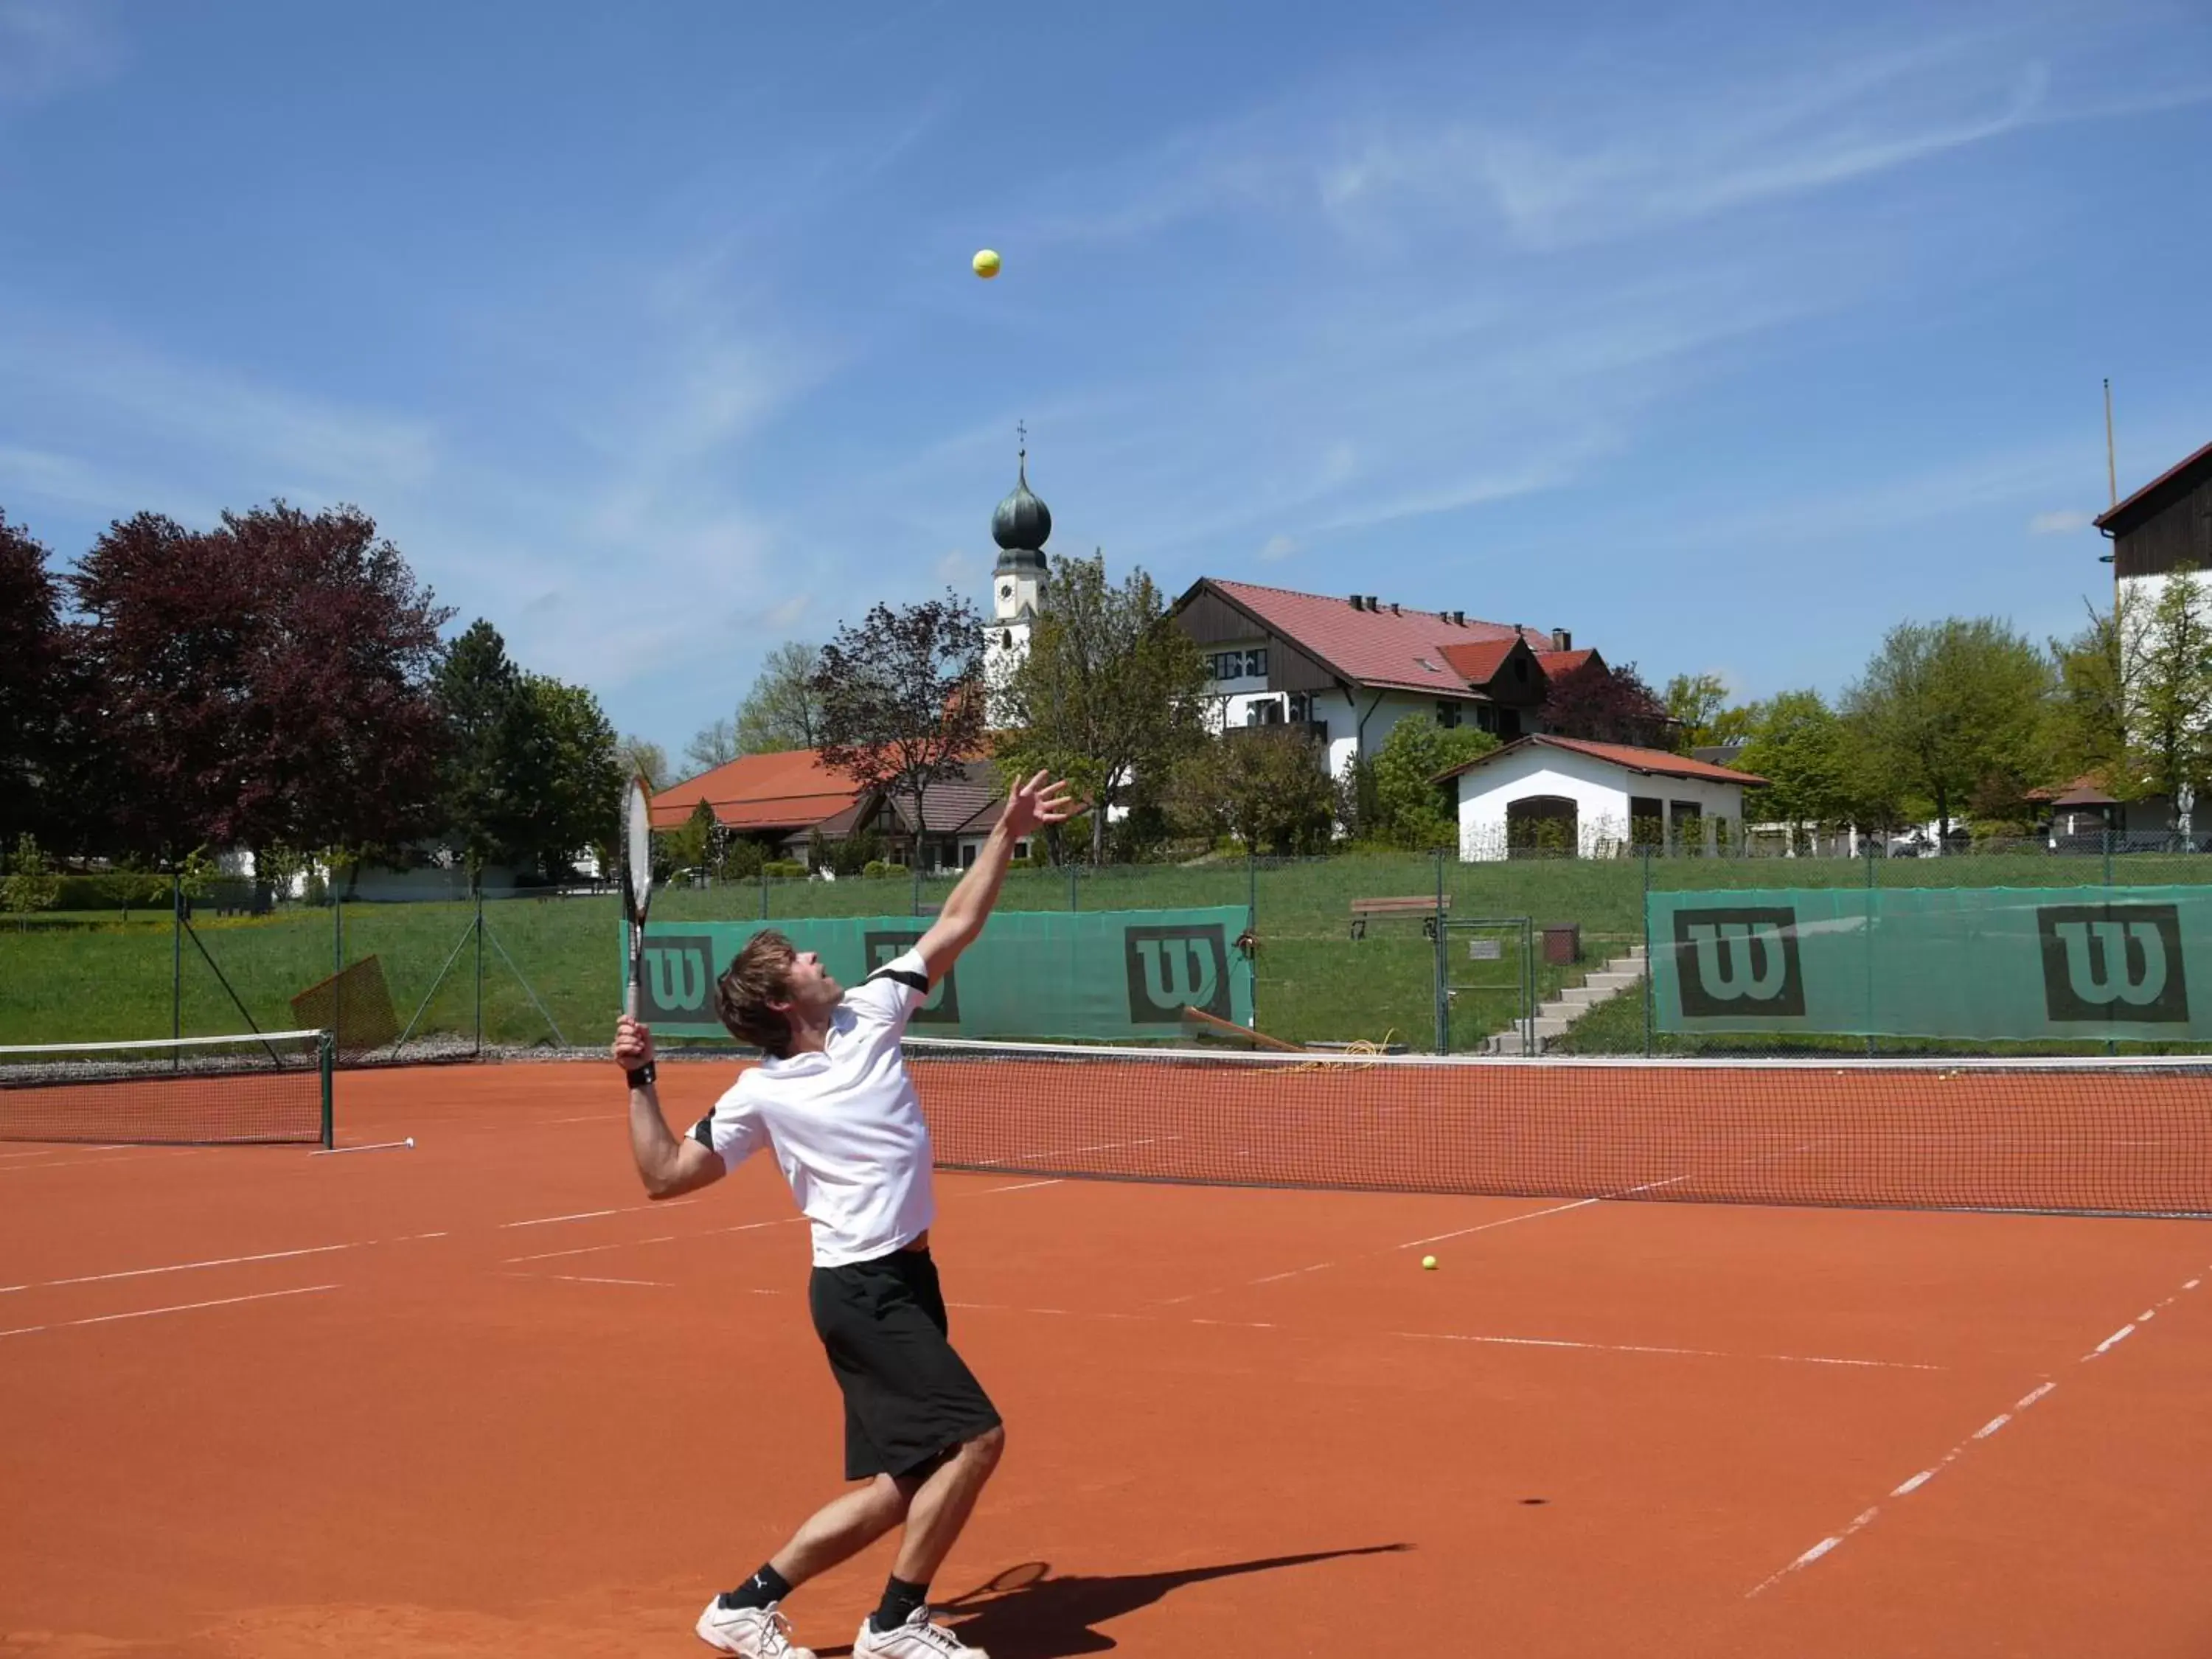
{"x":641,"y":1078}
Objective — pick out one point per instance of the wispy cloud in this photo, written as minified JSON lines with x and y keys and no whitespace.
{"x":1276,"y":548}
{"x":51,"y":47}
{"x":2059,"y":523}
{"x":101,"y":386}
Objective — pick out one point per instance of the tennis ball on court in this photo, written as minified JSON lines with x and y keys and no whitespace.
{"x":411,"y":1143}
{"x":1428,"y":1263}
{"x":986,"y":264}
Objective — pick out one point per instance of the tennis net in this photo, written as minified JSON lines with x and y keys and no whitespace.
{"x":186,"y":1092}
{"x":2118,"y":1136}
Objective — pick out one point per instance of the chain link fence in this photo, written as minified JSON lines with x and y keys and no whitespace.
{"x":1345,"y":949}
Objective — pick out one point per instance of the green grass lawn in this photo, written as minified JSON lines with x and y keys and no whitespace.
{"x":552,"y":963}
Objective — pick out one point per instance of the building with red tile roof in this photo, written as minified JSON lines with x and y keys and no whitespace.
{"x":1347,"y":668}
{"x":1563,"y":795}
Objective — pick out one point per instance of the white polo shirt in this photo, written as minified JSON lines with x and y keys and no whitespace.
{"x":845,"y":1124}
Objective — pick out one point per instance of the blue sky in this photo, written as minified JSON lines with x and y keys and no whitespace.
{"x":1724,"y":336}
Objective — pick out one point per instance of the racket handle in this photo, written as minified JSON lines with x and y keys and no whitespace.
{"x":629,"y":998}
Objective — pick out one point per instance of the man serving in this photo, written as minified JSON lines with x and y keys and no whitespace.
{"x":833,"y":1102}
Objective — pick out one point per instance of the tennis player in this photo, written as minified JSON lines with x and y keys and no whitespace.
{"x":833,"y":1102}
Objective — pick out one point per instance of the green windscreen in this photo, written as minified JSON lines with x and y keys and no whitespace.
{"x":1118,"y":976}
{"x":2132,"y":962}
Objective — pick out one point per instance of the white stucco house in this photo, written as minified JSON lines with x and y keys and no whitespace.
{"x":1346,"y":668}
{"x":1563,"y":795}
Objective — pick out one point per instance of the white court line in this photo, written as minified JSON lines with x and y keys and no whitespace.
{"x":65,"y":1158}
{"x":179,"y":1307}
{"x":593,"y":1215}
{"x":1687,"y":1353}
{"x":190,"y":1266}
{"x":1018,"y":1187}
{"x":579,"y":1278}
{"x":1913,"y":1483}
{"x":1434,"y":1238}
{"x":658,"y":1238}
{"x":53,"y":1147}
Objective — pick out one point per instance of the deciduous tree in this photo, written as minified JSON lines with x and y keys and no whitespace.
{"x":1108,"y":691}
{"x":1945,"y":707}
{"x":900,"y":693}
{"x":1411,"y":809}
{"x":31,"y":682}
{"x":263,"y":684}
{"x":1606,"y":704}
{"x":783,"y":709}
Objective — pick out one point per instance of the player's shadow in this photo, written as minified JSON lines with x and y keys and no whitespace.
{"x":1026,"y":1613}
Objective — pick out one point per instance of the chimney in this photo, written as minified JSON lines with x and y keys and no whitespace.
{"x":1373,"y":604}
{"x":1562,"y":640}
{"x":1460,"y":616}
{"x":1355,"y":601}
{"x":1394,"y":607}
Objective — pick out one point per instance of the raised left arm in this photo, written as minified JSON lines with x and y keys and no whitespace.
{"x":1030,"y":807}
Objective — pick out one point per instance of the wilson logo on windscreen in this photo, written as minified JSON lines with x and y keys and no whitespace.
{"x":942,"y":1005}
{"x":679,"y":977}
{"x":1172,"y":968}
{"x":1739,"y":962}
{"x":2113,"y":962}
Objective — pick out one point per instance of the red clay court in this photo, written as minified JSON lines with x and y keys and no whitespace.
{"x":480,"y":1398}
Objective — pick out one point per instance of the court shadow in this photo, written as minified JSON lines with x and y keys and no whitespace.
{"x":1027,"y":1612}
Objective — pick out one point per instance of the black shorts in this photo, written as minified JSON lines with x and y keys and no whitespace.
{"x":908,"y":1398}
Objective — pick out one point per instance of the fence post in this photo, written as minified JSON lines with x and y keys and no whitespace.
{"x":338,"y":964}
{"x":917,"y":875}
{"x":479,"y":1047}
{"x":1443,"y":962}
{"x":1868,"y":934}
{"x":1074,"y":887}
{"x":763,"y":887}
{"x":1251,"y":891}
{"x":1650,"y":969}
{"x":176,"y":957}
{"x":2106,"y":836}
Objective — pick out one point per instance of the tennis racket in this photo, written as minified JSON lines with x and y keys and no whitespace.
{"x":637,"y":884}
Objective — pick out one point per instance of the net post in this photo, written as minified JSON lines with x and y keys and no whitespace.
{"x":326,"y":1050}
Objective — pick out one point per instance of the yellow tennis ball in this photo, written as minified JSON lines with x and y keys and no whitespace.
{"x":986,"y":264}
{"x":1428,"y":1263}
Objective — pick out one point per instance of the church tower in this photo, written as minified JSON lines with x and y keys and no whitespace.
{"x":1020,"y":526}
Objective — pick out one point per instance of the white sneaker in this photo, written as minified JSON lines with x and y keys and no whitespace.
{"x":920,"y":1637}
{"x":751,"y":1632}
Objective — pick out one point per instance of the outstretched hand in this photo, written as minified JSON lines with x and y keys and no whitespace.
{"x":1043,"y":800}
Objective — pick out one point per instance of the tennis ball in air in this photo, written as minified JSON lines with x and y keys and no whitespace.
{"x":986,"y":264}
{"x":1429,"y":1264}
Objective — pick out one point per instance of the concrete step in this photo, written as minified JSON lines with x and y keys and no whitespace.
{"x":1612,"y":984}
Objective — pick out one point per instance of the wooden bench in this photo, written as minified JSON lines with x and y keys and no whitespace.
{"x":1427,"y":907}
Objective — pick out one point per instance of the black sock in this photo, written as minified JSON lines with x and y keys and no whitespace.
{"x":900,"y":1599}
{"x":758,"y":1591}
